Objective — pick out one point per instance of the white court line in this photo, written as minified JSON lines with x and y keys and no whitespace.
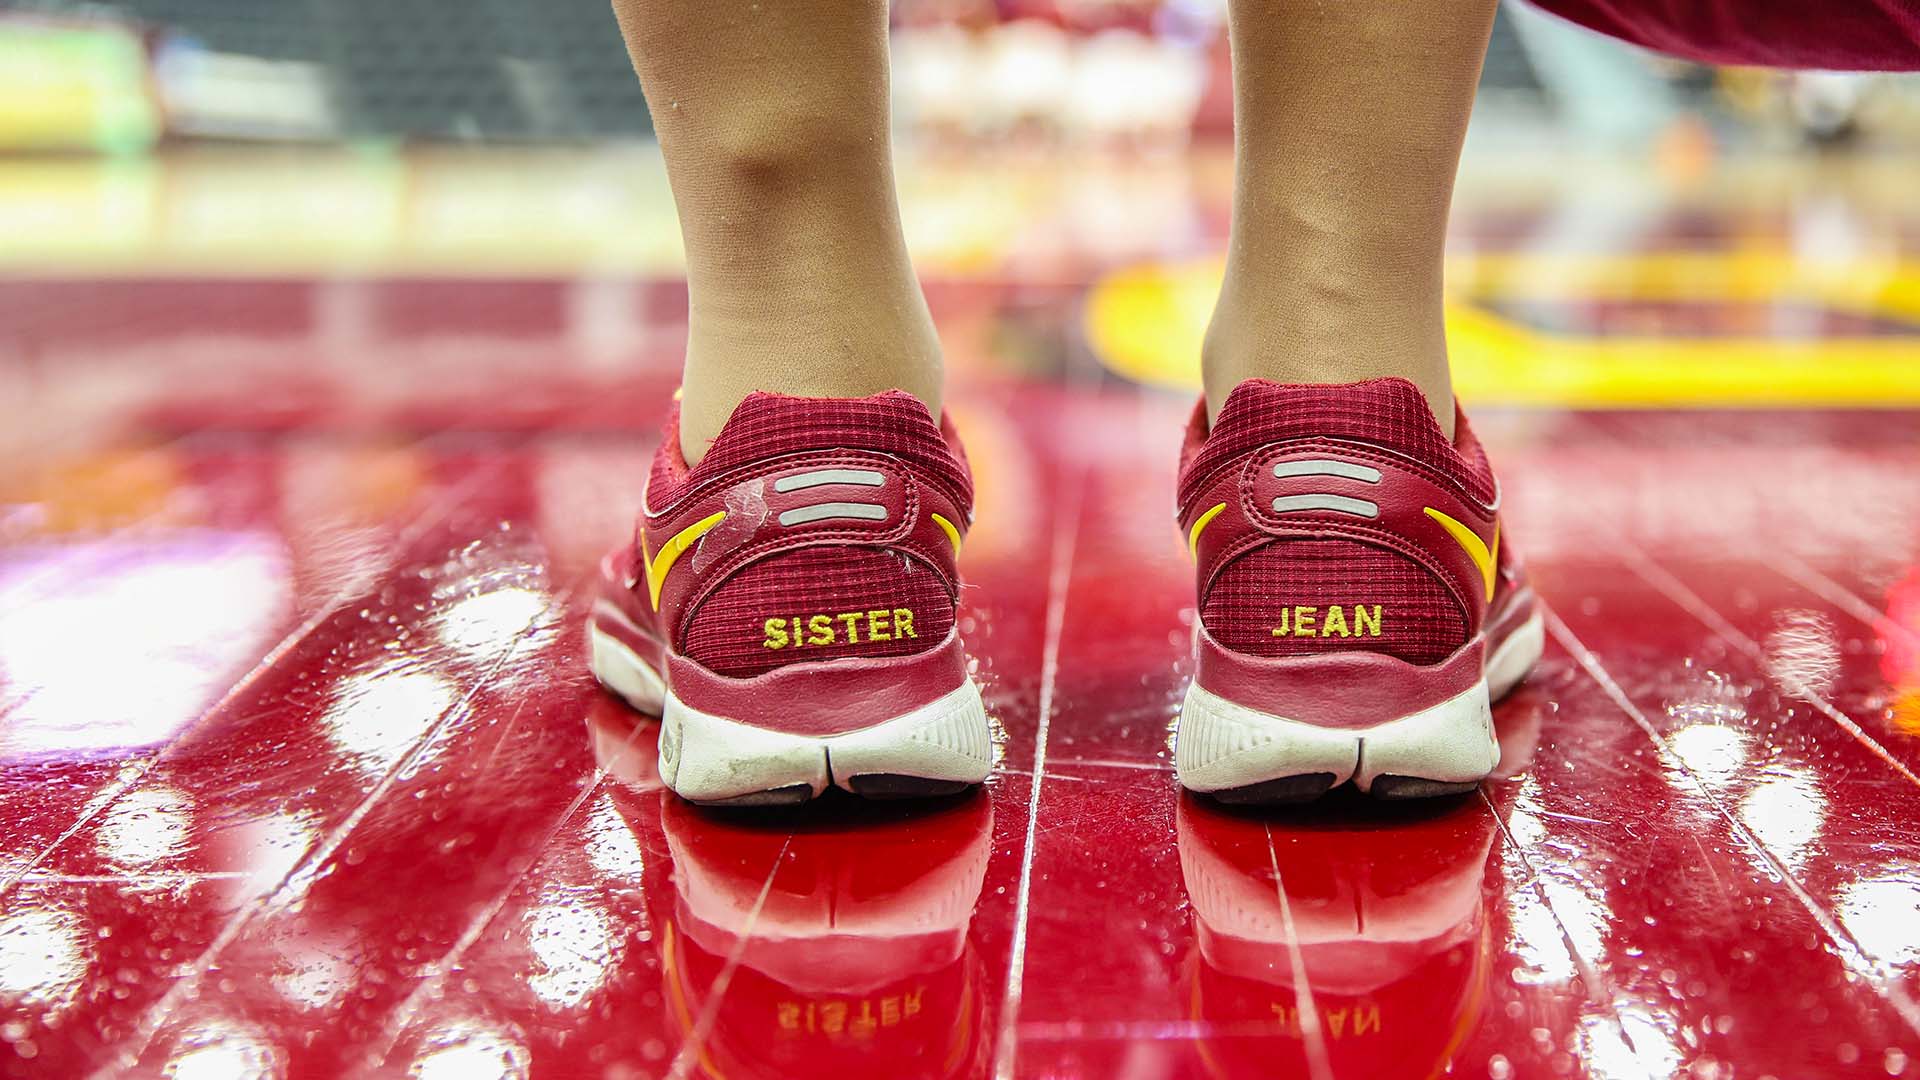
{"x":1802,"y":573}
{"x":435,"y":974}
{"x":1880,"y":977}
{"x":1691,"y":602}
{"x":132,"y":774}
{"x":1319,"y":1065}
{"x":298,"y":880}
{"x":1066,"y":532}
{"x":694,"y":1046}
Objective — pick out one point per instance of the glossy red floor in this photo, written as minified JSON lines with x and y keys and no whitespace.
{"x":300,"y":773}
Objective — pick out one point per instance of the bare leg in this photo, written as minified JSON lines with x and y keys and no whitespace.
{"x":772,"y":118}
{"x":1349,"y":116}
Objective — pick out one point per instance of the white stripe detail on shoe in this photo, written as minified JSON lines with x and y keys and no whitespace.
{"x":823,"y":511}
{"x":861,"y":477}
{"x":1323,"y":467}
{"x":1340,"y":503}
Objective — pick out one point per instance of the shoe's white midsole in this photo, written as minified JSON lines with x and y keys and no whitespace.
{"x":705,"y":757}
{"x":1221,"y":745}
{"x":620,"y":670}
{"x":1516,"y":656}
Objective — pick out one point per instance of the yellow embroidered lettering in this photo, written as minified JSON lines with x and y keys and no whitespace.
{"x":1281,"y":630}
{"x":1364,"y":623}
{"x":1367,"y":1020}
{"x":1303,"y":618}
{"x":1289,"y":1019}
{"x":1335,"y":623}
{"x":839,"y":627}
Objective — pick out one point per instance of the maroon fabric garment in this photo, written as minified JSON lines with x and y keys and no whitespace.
{"x":1837,"y":35}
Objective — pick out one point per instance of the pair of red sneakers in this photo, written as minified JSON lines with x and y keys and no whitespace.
{"x":788,"y":604}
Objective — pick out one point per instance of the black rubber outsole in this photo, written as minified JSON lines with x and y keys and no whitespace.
{"x":1414,"y":787}
{"x":791,"y":795}
{"x":1310,"y":787}
{"x":1281,"y":791}
{"x":879,"y":787}
{"x":896,"y":786}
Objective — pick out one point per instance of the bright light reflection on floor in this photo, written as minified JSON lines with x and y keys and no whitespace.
{"x":221,"y":1050}
{"x":43,"y":957}
{"x":611,"y":844}
{"x":1537,"y":941}
{"x":1786,"y":813}
{"x":1712,"y":752}
{"x":572,"y":940}
{"x":485,"y":623}
{"x":145,"y":827}
{"x":1883,"y":915}
{"x":124,"y":659}
{"x":378,"y":715}
{"x":465,"y":1050}
{"x":1638,"y":1047}
{"x":1803,"y":653}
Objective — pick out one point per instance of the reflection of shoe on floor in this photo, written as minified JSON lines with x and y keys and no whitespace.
{"x":1358,"y":608}
{"x":625,"y":745}
{"x":1391,"y":925}
{"x":855,"y":963}
{"x":787,"y":606}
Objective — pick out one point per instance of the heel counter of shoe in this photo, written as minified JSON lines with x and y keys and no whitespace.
{"x":1314,"y":596}
{"x":818,"y":603}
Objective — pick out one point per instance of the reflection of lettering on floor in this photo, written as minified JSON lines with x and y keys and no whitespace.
{"x":1362,"y":1019}
{"x":857,"y":1017}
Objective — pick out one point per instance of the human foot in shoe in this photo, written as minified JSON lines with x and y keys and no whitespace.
{"x":787,"y":606}
{"x":1358,"y":610}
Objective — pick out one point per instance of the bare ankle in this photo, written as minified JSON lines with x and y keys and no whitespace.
{"x":1329,"y":347}
{"x":716,"y":384}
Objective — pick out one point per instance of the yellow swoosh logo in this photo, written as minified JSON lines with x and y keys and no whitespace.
{"x":662,"y":561}
{"x":1193,"y":537}
{"x":1476,"y":548}
{"x":953,"y":534}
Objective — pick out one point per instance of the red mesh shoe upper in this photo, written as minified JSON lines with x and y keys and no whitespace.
{"x":767,"y":426}
{"x":728,"y":632}
{"x":1277,"y":581}
{"x":812,"y":529}
{"x":1240,"y":610}
{"x":1389,"y":413}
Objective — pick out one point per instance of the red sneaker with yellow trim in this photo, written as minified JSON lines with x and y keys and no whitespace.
{"x":1357,"y":609}
{"x":787,"y":606}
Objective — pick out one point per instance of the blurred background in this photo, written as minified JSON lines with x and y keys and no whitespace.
{"x":127,"y":77}
{"x":1631,"y":230}
{"x":334,"y":339}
